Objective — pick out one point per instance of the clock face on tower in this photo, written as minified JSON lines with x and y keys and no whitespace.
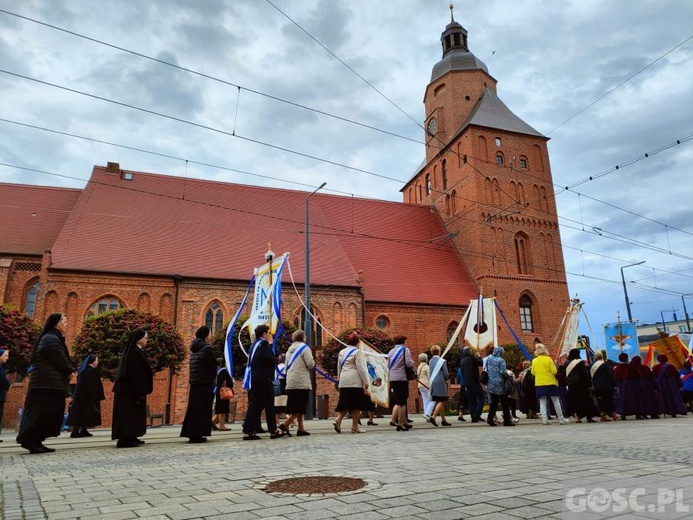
{"x":431,"y":128}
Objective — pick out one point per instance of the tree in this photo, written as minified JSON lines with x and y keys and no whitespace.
{"x":106,"y":335}
{"x":513,"y":357}
{"x":18,"y":334}
{"x":239,"y":358}
{"x":330,"y":353}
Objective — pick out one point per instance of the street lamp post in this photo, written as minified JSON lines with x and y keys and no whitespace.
{"x":625,"y":290}
{"x":685,"y":312}
{"x":307,"y":322}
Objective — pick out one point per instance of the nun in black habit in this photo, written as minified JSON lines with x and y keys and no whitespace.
{"x":85,"y":410}
{"x":134,"y":381}
{"x":44,"y":406}
{"x":197,"y":425}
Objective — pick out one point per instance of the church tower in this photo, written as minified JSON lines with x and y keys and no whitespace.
{"x":487,"y":174}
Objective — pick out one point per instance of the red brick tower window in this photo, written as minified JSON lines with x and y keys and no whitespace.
{"x":522,"y":252}
{"x":428,"y":184}
{"x":445,"y":176}
{"x":105,"y":304}
{"x":500,"y":159}
{"x":526,"y":314}
{"x":30,"y":297}
{"x":453,"y":202}
{"x":382,"y":322}
{"x":214,"y":317}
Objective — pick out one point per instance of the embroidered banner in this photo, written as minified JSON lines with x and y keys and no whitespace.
{"x":621,"y":337}
{"x":378,"y":374}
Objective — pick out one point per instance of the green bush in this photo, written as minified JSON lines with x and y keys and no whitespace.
{"x":18,"y":334}
{"x":513,"y":357}
{"x":239,"y":358}
{"x":107,"y":335}
{"x":330,"y":353}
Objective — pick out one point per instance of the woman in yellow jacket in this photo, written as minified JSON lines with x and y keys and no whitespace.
{"x":546,"y":385}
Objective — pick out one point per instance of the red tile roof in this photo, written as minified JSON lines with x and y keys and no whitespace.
{"x":32,"y":216}
{"x":162,"y":225}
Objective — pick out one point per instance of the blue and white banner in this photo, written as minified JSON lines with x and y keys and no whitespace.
{"x":621,"y":337}
{"x":267,"y":300}
{"x":266,"y":307}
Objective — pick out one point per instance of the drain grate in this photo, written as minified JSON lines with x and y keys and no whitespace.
{"x":313,"y":485}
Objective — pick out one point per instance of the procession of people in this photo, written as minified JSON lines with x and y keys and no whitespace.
{"x":540,"y":388}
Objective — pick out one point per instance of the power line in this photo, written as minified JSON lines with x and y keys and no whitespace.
{"x":426,"y":244}
{"x":619,"y":85}
{"x":208,"y":76}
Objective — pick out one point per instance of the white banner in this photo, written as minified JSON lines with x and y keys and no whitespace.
{"x":378,"y":374}
{"x":481,"y":331}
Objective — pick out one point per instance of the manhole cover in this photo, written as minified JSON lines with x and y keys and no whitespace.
{"x":315,"y":485}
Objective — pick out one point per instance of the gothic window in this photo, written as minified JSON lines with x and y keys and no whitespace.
{"x":453,"y":202}
{"x":543,"y":201}
{"x":30,"y":298}
{"x":526,"y":314}
{"x":103,"y":305}
{"x":445,"y":176}
{"x":428,"y":184}
{"x":316,"y":325}
{"x":522,"y":253}
{"x":452,"y":327}
{"x":513,"y":190}
{"x":420,"y":192}
{"x":411,"y":195}
{"x":500,"y":159}
{"x":537,"y":158}
{"x":382,"y":322}
{"x":520,"y":192}
{"x":214,"y":317}
{"x":448,"y":209}
{"x":496,"y":193}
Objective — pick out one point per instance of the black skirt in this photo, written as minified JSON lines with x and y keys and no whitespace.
{"x":400,"y":392}
{"x":129,"y":417}
{"x":297,"y":401}
{"x":44,"y":411}
{"x":351,"y":399}
{"x":198,"y":416}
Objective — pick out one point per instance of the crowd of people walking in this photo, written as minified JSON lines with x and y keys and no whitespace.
{"x":540,"y":388}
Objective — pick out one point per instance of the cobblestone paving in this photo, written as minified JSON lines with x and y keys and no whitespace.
{"x":467,"y":471}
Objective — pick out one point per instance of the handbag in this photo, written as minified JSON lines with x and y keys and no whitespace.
{"x":410,"y":372}
{"x":507,"y":384}
{"x":483,"y":377}
{"x":225,"y":392}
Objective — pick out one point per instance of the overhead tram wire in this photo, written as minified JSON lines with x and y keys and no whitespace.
{"x":208,"y":76}
{"x":346,"y":65}
{"x":168,"y":156}
{"x":618,"y":86}
{"x":457,"y":154}
{"x":232,"y":134}
{"x":185,"y":69}
{"x":198,"y":125}
{"x":335,"y":231}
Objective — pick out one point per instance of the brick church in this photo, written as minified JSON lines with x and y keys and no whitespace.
{"x":479,"y":213}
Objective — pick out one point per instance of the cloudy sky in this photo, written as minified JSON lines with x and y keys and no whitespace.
{"x":269,"y":99}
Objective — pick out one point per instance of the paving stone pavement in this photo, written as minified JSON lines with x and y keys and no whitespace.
{"x":466,"y":471}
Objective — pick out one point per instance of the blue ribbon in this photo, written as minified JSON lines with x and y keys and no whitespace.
{"x":228,"y":344}
{"x":519,"y":343}
{"x":326,"y":376}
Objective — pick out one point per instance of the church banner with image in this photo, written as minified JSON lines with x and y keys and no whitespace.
{"x":621,"y":337}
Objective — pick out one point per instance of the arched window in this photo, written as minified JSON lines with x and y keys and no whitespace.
{"x":428,"y":184}
{"x":30,"y":298}
{"x":526,"y":324}
{"x":316,"y":325}
{"x":522,"y":253}
{"x":500,"y":159}
{"x":452,"y":327}
{"x":214,"y":317}
{"x":448,"y":209}
{"x":411,"y":195}
{"x":445,"y":177}
{"x":105,"y":304}
{"x":453,"y":202}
